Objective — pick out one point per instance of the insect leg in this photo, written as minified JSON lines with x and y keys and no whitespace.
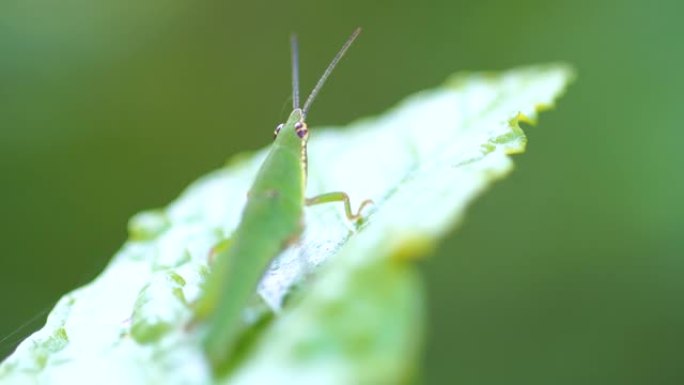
{"x":339,"y":197}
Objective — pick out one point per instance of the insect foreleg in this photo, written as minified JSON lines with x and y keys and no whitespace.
{"x":339,"y":197}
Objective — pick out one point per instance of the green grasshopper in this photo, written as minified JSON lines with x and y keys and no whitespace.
{"x":271,"y":221}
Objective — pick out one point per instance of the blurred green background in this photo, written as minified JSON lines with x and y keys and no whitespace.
{"x":571,"y":271}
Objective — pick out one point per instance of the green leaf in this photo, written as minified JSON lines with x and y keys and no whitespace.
{"x":348,"y":301}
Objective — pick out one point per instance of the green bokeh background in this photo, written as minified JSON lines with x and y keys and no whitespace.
{"x":571,"y":271}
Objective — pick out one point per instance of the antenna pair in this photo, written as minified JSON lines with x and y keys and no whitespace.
{"x":295,"y":71}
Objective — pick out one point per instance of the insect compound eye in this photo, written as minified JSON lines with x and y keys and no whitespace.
{"x":277,"y":130}
{"x":301,"y":129}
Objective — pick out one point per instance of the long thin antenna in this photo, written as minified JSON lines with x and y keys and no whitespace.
{"x":294,"y":50}
{"x":328,"y":70}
